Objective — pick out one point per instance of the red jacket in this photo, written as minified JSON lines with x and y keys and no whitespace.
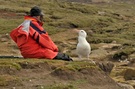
{"x":33,"y":41}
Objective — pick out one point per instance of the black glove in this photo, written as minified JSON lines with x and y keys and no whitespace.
{"x":62,"y":56}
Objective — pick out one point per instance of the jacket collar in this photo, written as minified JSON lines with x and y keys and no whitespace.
{"x":33,"y":19}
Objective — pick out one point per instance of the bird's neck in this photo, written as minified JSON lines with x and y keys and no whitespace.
{"x":82,"y":39}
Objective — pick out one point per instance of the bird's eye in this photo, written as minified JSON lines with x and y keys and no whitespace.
{"x":81,"y":31}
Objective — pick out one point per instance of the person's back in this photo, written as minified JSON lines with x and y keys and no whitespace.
{"x":30,"y":41}
{"x":33,"y":41}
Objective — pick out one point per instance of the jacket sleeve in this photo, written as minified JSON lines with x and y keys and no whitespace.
{"x":43,"y":39}
{"x":47,"y":42}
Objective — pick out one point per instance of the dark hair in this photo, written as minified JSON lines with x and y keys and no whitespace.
{"x":36,"y":11}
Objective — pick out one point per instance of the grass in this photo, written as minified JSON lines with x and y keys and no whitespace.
{"x":15,"y":63}
{"x":5,"y":24}
{"x":7,"y":79}
{"x":76,"y":66}
{"x":116,"y":24}
{"x":9,"y":64}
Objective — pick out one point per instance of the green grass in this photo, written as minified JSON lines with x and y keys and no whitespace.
{"x":76,"y":66}
{"x":7,"y":25}
{"x":116,"y":24}
{"x":9,"y":64}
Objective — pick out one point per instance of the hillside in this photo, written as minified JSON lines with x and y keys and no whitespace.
{"x":110,"y":28}
{"x":41,"y":74}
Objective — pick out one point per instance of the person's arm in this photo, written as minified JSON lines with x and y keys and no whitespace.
{"x":43,"y":39}
{"x":46,"y":41}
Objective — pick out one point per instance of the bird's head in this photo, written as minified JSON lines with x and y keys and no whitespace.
{"x":82,"y":33}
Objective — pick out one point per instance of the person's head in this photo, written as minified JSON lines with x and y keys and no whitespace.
{"x":36,"y":12}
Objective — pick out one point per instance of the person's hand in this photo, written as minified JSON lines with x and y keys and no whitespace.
{"x":62,"y":56}
{"x":66,"y":58}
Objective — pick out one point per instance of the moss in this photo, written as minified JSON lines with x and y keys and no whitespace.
{"x":129,"y":74}
{"x":7,"y":79}
{"x":10,"y":65}
{"x":124,"y":52}
{"x":76,"y":66}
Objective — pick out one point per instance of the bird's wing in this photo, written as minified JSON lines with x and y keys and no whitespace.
{"x":83,"y":49}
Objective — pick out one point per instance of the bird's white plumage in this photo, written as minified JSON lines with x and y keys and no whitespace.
{"x":83,"y":47}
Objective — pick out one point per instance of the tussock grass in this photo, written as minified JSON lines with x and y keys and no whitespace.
{"x":77,"y":66}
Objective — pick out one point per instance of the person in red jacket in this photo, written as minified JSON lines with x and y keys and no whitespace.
{"x":33,"y":41}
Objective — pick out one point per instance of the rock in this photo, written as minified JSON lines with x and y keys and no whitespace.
{"x":106,"y":66}
{"x":126,"y":86}
{"x":101,"y":13}
{"x":129,"y":74}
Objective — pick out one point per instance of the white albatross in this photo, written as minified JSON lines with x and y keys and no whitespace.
{"x":83,"y":48}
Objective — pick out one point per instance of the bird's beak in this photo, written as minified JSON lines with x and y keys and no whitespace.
{"x":76,"y":30}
